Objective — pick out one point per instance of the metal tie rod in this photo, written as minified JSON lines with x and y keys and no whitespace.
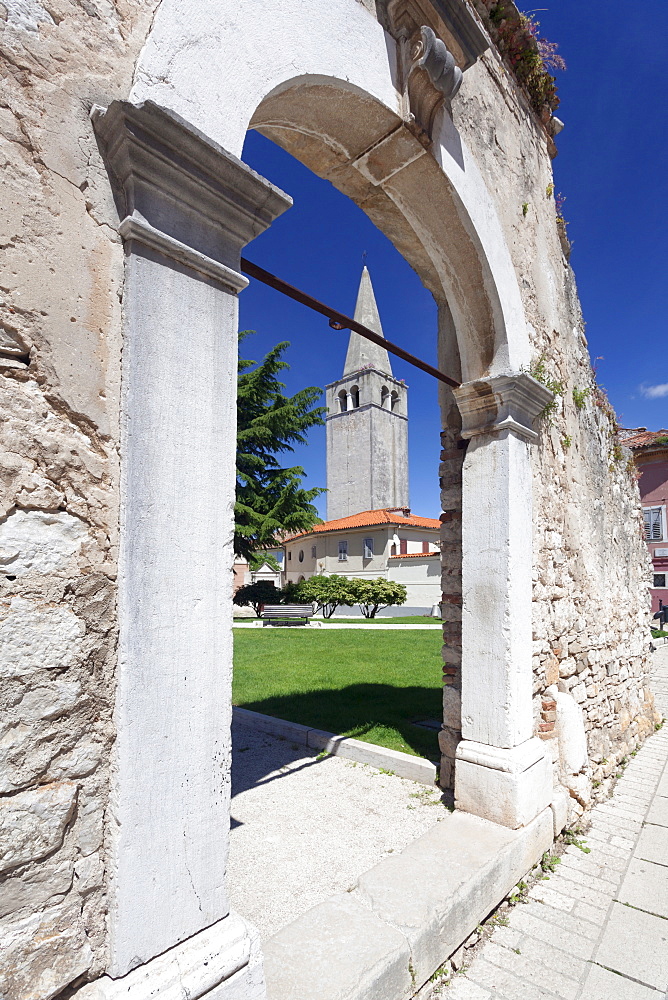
{"x":339,"y":321}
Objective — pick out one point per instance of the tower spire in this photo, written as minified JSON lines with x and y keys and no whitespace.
{"x":363,"y":353}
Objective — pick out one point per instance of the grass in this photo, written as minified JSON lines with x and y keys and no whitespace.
{"x":359,"y":684}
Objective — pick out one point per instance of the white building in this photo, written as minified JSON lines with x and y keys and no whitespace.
{"x":391,"y":543}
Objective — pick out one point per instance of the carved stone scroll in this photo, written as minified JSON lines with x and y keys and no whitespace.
{"x":437,"y":41}
{"x":433,"y":78}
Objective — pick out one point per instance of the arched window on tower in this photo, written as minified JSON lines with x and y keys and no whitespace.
{"x":385,"y":397}
{"x":355,"y":397}
{"x":394,"y":399}
{"x":343,"y":401}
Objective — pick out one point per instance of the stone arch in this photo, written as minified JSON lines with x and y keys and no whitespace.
{"x":211,"y":69}
{"x":338,"y":113}
{"x":406,"y":192}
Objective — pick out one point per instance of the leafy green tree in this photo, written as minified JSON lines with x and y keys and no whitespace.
{"x":328,"y":592}
{"x":270,"y":500}
{"x":373,"y":595}
{"x":256,"y":595}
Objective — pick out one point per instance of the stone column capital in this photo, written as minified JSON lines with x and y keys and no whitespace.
{"x":502,"y":403}
{"x":180,"y":193}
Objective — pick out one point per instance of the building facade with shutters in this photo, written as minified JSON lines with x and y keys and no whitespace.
{"x":650,"y":451}
{"x":391,"y":543}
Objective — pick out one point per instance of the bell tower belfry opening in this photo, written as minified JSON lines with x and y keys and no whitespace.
{"x":367,"y":424}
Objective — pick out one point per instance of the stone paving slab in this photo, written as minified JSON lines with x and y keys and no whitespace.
{"x":646,"y":886}
{"x":597,"y":928}
{"x":605,"y":985}
{"x":658,"y":811}
{"x":339,"y":949}
{"x":653,"y":844}
{"x":635,"y":944}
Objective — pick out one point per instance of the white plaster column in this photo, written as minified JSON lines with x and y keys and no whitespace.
{"x":187,"y":209}
{"x":501,"y":771}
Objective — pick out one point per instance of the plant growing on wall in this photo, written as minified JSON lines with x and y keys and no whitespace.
{"x":530,"y":56}
{"x":270,"y":500}
{"x":538,"y":369}
{"x":580,"y":396}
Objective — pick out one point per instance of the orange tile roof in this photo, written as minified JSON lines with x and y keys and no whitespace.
{"x":367,"y":518}
{"x":414,"y":555}
{"x":644,"y":439}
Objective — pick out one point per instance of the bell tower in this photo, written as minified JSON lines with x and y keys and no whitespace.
{"x":367,"y":424}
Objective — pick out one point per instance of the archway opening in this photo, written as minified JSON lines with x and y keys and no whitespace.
{"x":341,"y":135}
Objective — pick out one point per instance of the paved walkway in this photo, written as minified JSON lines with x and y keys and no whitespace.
{"x":305,"y":826}
{"x":334,"y":625}
{"x":598,"y":928}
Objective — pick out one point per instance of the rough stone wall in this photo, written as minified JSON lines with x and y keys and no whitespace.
{"x":591,"y":570}
{"x":450,"y":478}
{"x":59,"y":375}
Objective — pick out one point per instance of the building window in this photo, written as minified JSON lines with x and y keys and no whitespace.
{"x":314,"y":552}
{"x":393,"y":549}
{"x":403,"y":546}
{"x":394,"y":399}
{"x":653,"y":524}
{"x":343,"y":551}
{"x":289,"y":556}
{"x":355,"y":397}
{"x":385,"y":397}
{"x":660,"y":580}
{"x":301,"y":555}
{"x":343,"y":401}
{"x":425,"y":546}
{"x":368,"y":548}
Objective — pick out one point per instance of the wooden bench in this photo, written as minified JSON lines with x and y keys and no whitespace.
{"x":286,"y":614}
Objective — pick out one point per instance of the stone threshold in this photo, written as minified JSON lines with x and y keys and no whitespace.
{"x":386,"y":937}
{"x":405,"y":765}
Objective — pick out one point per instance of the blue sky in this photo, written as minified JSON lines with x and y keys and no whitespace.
{"x":612,"y":169}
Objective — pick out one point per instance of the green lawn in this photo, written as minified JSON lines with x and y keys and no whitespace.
{"x":368,"y":685}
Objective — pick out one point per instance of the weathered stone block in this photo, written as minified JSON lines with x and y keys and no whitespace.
{"x":337,"y":950}
{"x":35,"y":889}
{"x":32,"y":824}
{"x":463,"y":867}
{"x":43,"y":953}
{"x":33,"y":638}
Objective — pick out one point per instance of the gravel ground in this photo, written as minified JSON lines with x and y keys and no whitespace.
{"x":304,"y":828}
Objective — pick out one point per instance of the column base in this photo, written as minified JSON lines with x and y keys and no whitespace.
{"x":507,"y":786}
{"x":222,"y":962}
